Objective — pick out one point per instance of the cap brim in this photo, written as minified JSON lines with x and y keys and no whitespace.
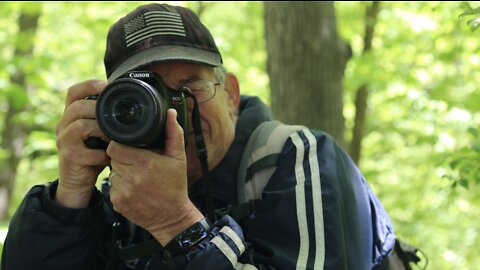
{"x":166,"y":53}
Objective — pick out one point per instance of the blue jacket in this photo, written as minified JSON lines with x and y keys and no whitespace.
{"x":316,"y":212}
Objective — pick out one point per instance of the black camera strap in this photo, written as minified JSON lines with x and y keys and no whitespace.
{"x":202,"y":154}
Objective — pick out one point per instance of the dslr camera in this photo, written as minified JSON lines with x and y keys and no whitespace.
{"x":133,"y":109}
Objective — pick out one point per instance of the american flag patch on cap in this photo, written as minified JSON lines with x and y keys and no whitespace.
{"x":151,"y":24}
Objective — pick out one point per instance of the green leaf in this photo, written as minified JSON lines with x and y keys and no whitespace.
{"x":474,"y":131}
{"x":463,"y":182}
{"x":470,"y":12}
{"x":454,"y":164}
{"x":465,"y":5}
{"x":474,"y":24}
{"x":476,"y":147}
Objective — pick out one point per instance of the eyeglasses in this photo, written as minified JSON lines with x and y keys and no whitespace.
{"x":203,"y":90}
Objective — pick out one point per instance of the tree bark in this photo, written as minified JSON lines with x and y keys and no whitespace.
{"x":361,"y":97}
{"x":15,"y":132}
{"x":306,"y":63}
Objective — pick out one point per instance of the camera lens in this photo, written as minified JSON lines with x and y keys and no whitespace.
{"x":131,"y":111}
{"x":128,"y":111}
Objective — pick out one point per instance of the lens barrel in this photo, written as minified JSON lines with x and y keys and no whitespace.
{"x":131,"y":111}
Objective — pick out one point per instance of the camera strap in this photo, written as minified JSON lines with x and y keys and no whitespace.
{"x":202,"y":154}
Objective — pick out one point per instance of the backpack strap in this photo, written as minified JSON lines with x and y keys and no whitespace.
{"x":258,"y":163}
{"x":260,"y":157}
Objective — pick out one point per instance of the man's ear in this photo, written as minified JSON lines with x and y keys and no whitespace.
{"x":232,"y":88}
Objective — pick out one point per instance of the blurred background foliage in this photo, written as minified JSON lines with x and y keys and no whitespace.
{"x":421,"y":150}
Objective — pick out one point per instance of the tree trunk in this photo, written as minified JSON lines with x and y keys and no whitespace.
{"x":362,"y":92}
{"x":15,"y":132}
{"x":306,"y":63}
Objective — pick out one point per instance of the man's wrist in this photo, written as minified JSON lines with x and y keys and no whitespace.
{"x":77,"y":216}
{"x":74,"y":199}
{"x":167,"y":233}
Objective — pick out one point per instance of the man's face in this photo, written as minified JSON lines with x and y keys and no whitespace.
{"x":217,"y":116}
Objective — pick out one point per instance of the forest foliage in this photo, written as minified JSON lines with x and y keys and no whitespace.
{"x":421,"y":147}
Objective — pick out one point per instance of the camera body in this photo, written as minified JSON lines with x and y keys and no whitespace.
{"x":133,"y":109}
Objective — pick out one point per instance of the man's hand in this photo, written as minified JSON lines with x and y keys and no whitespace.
{"x":79,"y":166}
{"x":151,"y":189}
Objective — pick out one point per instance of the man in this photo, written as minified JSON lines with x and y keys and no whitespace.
{"x":315,"y":209}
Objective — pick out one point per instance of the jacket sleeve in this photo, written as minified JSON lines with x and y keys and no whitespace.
{"x":43,"y":235}
{"x":316,"y":212}
{"x":220,"y":251}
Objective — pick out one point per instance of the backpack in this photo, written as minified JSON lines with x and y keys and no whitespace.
{"x":257,"y":165}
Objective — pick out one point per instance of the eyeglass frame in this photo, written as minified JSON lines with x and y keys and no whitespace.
{"x":215,"y":84}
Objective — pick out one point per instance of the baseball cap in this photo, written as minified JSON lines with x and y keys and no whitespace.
{"x":155,"y":33}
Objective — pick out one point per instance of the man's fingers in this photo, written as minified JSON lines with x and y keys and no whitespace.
{"x":174,"y":138}
{"x":84,"y":156}
{"x":86,"y":128}
{"x":84,"y":89}
{"x":174,"y":146}
{"x":79,"y":131}
{"x":79,"y":109}
{"x":73,"y":136}
{"x":125,"y":154}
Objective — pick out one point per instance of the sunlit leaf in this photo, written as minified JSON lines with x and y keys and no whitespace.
{"x":474,"y":23}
